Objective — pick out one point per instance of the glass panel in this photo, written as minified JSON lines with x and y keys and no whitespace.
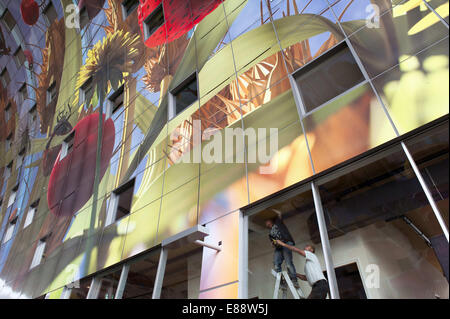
{"x":430,"y":152}
{"x":186,"y":96}
{"x":328,"y":76}
{"x":441,"y":7}
{"x":332,"y":140}
{"x":141,"y":277}
{"x":108,"y":285}
{"x":293,"y":222}
{"x":378,"y":216}
{"x":404,"y":31}
{"x":81,"y":292}
{"x":417,"y":90}
{"x":182,"y":275}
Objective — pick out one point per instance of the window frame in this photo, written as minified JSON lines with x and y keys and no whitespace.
{"x":112,"y":106}
{"x":13,"y":196}
{"x":172,"y":108}
{"x":68,"y":145}
{"x":8,"y":143}
{"x":10,"y":230}
{"x":4,"y":77}
{"x":128,"y":9}
{"x":7,"y":113}
{"x":111,"y":217}
{"x":83,"y":89}
{"x":148,"y":27}
{"x":316,"y":63}
{"x":39,"y":253}
{"x":49,"y":97}
{"x":31,"y":213}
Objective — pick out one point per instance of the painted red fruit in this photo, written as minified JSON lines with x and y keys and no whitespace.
{"x":72,"y":178}
{"x":180,"y":17}
{"x":29,"y":10}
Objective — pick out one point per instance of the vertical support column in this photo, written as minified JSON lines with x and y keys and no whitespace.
{"x":427,"y":191}
{"x":122,"y":281}
{"x":243,"y":256}
{"x":325,"y":242}
{"x":160,"y":274}
{"x":94,"y":289}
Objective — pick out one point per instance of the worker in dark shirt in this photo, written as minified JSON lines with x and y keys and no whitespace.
{"x":279,"y":231}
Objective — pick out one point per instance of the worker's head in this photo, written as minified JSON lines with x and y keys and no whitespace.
{"x":310,"y":248}
{"x":270,"y":222}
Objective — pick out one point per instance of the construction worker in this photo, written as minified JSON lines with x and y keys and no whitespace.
{"x":313,"y":271}
{"x":279,"y":231}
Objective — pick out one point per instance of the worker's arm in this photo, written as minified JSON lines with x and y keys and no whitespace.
{"x":294,"y":249}
{"x":276,"y":211}
{"x":302,"y":277}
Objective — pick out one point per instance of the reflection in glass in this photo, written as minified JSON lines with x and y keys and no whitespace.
{"x":346,"y":127}
{"x":141,"y":277}
{"x":298,"y":215}
{"x":378,"y":215}
{"x":182,"y":275}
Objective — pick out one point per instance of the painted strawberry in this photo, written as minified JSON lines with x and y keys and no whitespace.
{"x":29,"y":9}
{"x":180,"y":16}
{"x":72,"y":178}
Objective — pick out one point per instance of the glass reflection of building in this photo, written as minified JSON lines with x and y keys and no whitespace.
{"x":360,"y":107}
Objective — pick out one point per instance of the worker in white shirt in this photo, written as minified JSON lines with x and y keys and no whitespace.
{"x":313,"y":271}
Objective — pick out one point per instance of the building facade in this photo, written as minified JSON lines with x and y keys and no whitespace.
{"x":145,"y":143}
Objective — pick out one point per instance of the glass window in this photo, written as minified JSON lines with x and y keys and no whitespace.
{"x":80,"y":289}
{"x":31,"y":213}
{"x":67,"y":145}
{"x":185,"y":94}
{"x":8,"y":19}
{"x":7,"y":113}
{"x":10,"y":230}
{"x":328,"y":76}
{"x":182,"y":274}
{"x":8,"y":170}
{"x":128,"y":7}
{"x":121,"y":200}
{"x":378,"y":215}
{"x":19,"y":57}
{"x":38,"y":253}
{"x":141,"y":276}
{"x":154,"y":21}
{"x":291,"y":220}
{"x":108,"y":285}
{"x":115,"y":101}
{"x":20,"y":158}
{"x":32,"y":113}
{"x":430,"y":151}
{"x":4,"y":77}
{"x":8,"y":143}
{"x":12,"y":197}
{"x":23,"y":94}
{"x":84,"y":17}
{"x":51,"y":93}
{"x":86,"y":92}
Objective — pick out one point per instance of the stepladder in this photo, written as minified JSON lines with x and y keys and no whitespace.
{"x":297,"y":293}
